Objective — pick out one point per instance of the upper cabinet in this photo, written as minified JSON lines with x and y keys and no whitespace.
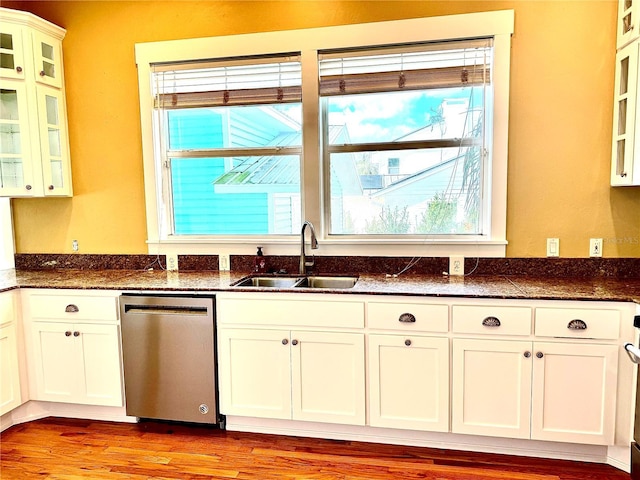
{"x":627,"y":22}
{"x":625,"y":153}
{"x":34,"y":145}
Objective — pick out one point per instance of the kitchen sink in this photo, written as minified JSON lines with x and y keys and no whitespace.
{"x":273,"y":282}
{"x":327,"y":282}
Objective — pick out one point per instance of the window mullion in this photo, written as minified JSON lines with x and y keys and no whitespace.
{"x":233,"y":152}
{"x":412,"y":145}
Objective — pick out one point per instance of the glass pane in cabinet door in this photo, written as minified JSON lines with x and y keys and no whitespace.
{"x":54,"y":142}
{"x":52,"y":110}
{"x":56,"y":173}
{"x":53,"y":126}
{"x":11,"y":172}
{"x":9,"y":105}
{"x":6,"y":58}
{"x":47,"y":54}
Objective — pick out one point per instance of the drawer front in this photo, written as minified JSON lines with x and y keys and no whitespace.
{"x":290,"y":312}
{"x":577,"y":323}
{"x":73,"y":307}
{"x":492,"y":320}
{"x":408,"y":317}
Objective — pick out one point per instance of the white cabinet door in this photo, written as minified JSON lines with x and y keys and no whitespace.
{"x":56,"y":362}
{"x":9,"y":374}
{"x":255,"y":373}
{"x":101,"y":381}
{"x":12,"y":51}
{"x":574,"y":392}
{"x":47,"y":59}
{"x":54,"y":147}
{"x":491,"y":387}
{"x":328,"y":378}
{"x":77,"y":363}
{"x":409,"y":382}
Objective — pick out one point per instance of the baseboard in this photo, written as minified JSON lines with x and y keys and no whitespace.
{"x":35,"y":410}
{"x":447,"y":441}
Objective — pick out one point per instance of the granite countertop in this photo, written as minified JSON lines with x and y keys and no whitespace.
{"x":488,"y":286}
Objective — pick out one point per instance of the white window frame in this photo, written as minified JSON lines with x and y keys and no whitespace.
{"x":498,"y":24}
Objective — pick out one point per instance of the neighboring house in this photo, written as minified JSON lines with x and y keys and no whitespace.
{"x":242,"y":195}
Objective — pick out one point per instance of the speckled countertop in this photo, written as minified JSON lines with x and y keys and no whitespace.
{"x":489,"y":286}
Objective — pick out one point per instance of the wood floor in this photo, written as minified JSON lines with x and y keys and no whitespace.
{"x":64,"y":449}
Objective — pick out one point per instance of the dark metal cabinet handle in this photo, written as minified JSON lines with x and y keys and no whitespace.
{"x":491,"y":322}
{"x":294,"y":342}
{"x":28,"y":187}
{"x":577,"y":324}
{"x":19,"y":69}
{"x":71,"y":308}
{"x":527,"y":354}
{"x":51,"y":187}
{"x":407,"y":318}
{"x":285,"y":341}
{"x":76,"y":334}
{"x":42,"y":74}
{"x":539,"y":354}
{"x":407,"y":342}
{"x":67,"y":333}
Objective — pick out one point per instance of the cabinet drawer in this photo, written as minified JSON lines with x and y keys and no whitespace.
{"x":290,"y":312}
{"x":577,"y":323}
{"x":408,"y":316}
{"x":486,"y":319}
{"x":73,"y":307}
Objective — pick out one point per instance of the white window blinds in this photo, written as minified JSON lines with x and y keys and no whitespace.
{"x":432,"y":65}
{"x":247,"y":81}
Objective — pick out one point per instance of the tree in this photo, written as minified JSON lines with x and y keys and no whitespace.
{"x":439,"y":217}
{"x":389,"y":221}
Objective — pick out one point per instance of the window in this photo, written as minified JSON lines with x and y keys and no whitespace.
{"x":412,"y":120}
{"x":230,"y":141}
{"x":383,"y":135}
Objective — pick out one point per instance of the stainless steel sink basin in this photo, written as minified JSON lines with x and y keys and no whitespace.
{"x":327,"y":282}
{"x":273,"y":282}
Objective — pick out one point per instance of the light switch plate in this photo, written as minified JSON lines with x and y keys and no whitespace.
{"x":595,"y":247}
{"x":224,"y":262}
{"x":553,"y":247}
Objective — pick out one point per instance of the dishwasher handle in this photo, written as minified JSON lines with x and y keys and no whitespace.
{"x":164,"y":310}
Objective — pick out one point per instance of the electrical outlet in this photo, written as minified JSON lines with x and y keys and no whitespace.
{"x":223,"y":262}
{"x":172,"y":261}
{"x":456,"y":265}
{"x":74,"y":245}
{"x":553,"y":247}
{"x":595,"y":247}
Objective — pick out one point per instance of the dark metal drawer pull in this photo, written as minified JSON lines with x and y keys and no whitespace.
{"x":407,"y":342}
{"x":491,"y":322}
{"x":407,"y":318}
{"x":577,"y":324}
{"x":71,"y":308}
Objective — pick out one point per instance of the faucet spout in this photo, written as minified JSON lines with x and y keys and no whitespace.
{"x":314,"y":246}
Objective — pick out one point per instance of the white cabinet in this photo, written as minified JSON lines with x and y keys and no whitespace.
{"x":491,"y":389}
{"x":74,"y":346}
{"x":34,"y":146}
{"x":628,"y":28}
{"x":299,"y":375}
{"x":532,"y":388}
{"x":408,"y":359}
{"x":409,"y":382}
{"x":289,"y":357}
{"x":10,"y":396}
{"x":574,"y":392}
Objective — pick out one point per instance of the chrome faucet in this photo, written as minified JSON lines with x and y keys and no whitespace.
{"x":314,"y":246}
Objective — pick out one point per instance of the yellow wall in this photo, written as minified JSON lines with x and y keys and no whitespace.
{"x":560,"y":125}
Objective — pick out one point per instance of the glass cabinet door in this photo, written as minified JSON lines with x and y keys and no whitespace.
{"x":47,"y":55}
{"x":624,"y":114}
{"x":627,"y":22}
{"x":11,"y":52}
{"x":53,"y":143}
{"x":15,"y":143}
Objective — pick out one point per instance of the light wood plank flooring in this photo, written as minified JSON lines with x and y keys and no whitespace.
{"x":65,"y":449}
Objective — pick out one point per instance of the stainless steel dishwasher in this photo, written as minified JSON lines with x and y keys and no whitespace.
{"x":169,"y":357}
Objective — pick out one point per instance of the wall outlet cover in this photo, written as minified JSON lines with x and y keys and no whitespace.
{"x":456,"y":265}
{"x":595,"y":247}
{"x":224,"y":263}
{"x":172,"y":261}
